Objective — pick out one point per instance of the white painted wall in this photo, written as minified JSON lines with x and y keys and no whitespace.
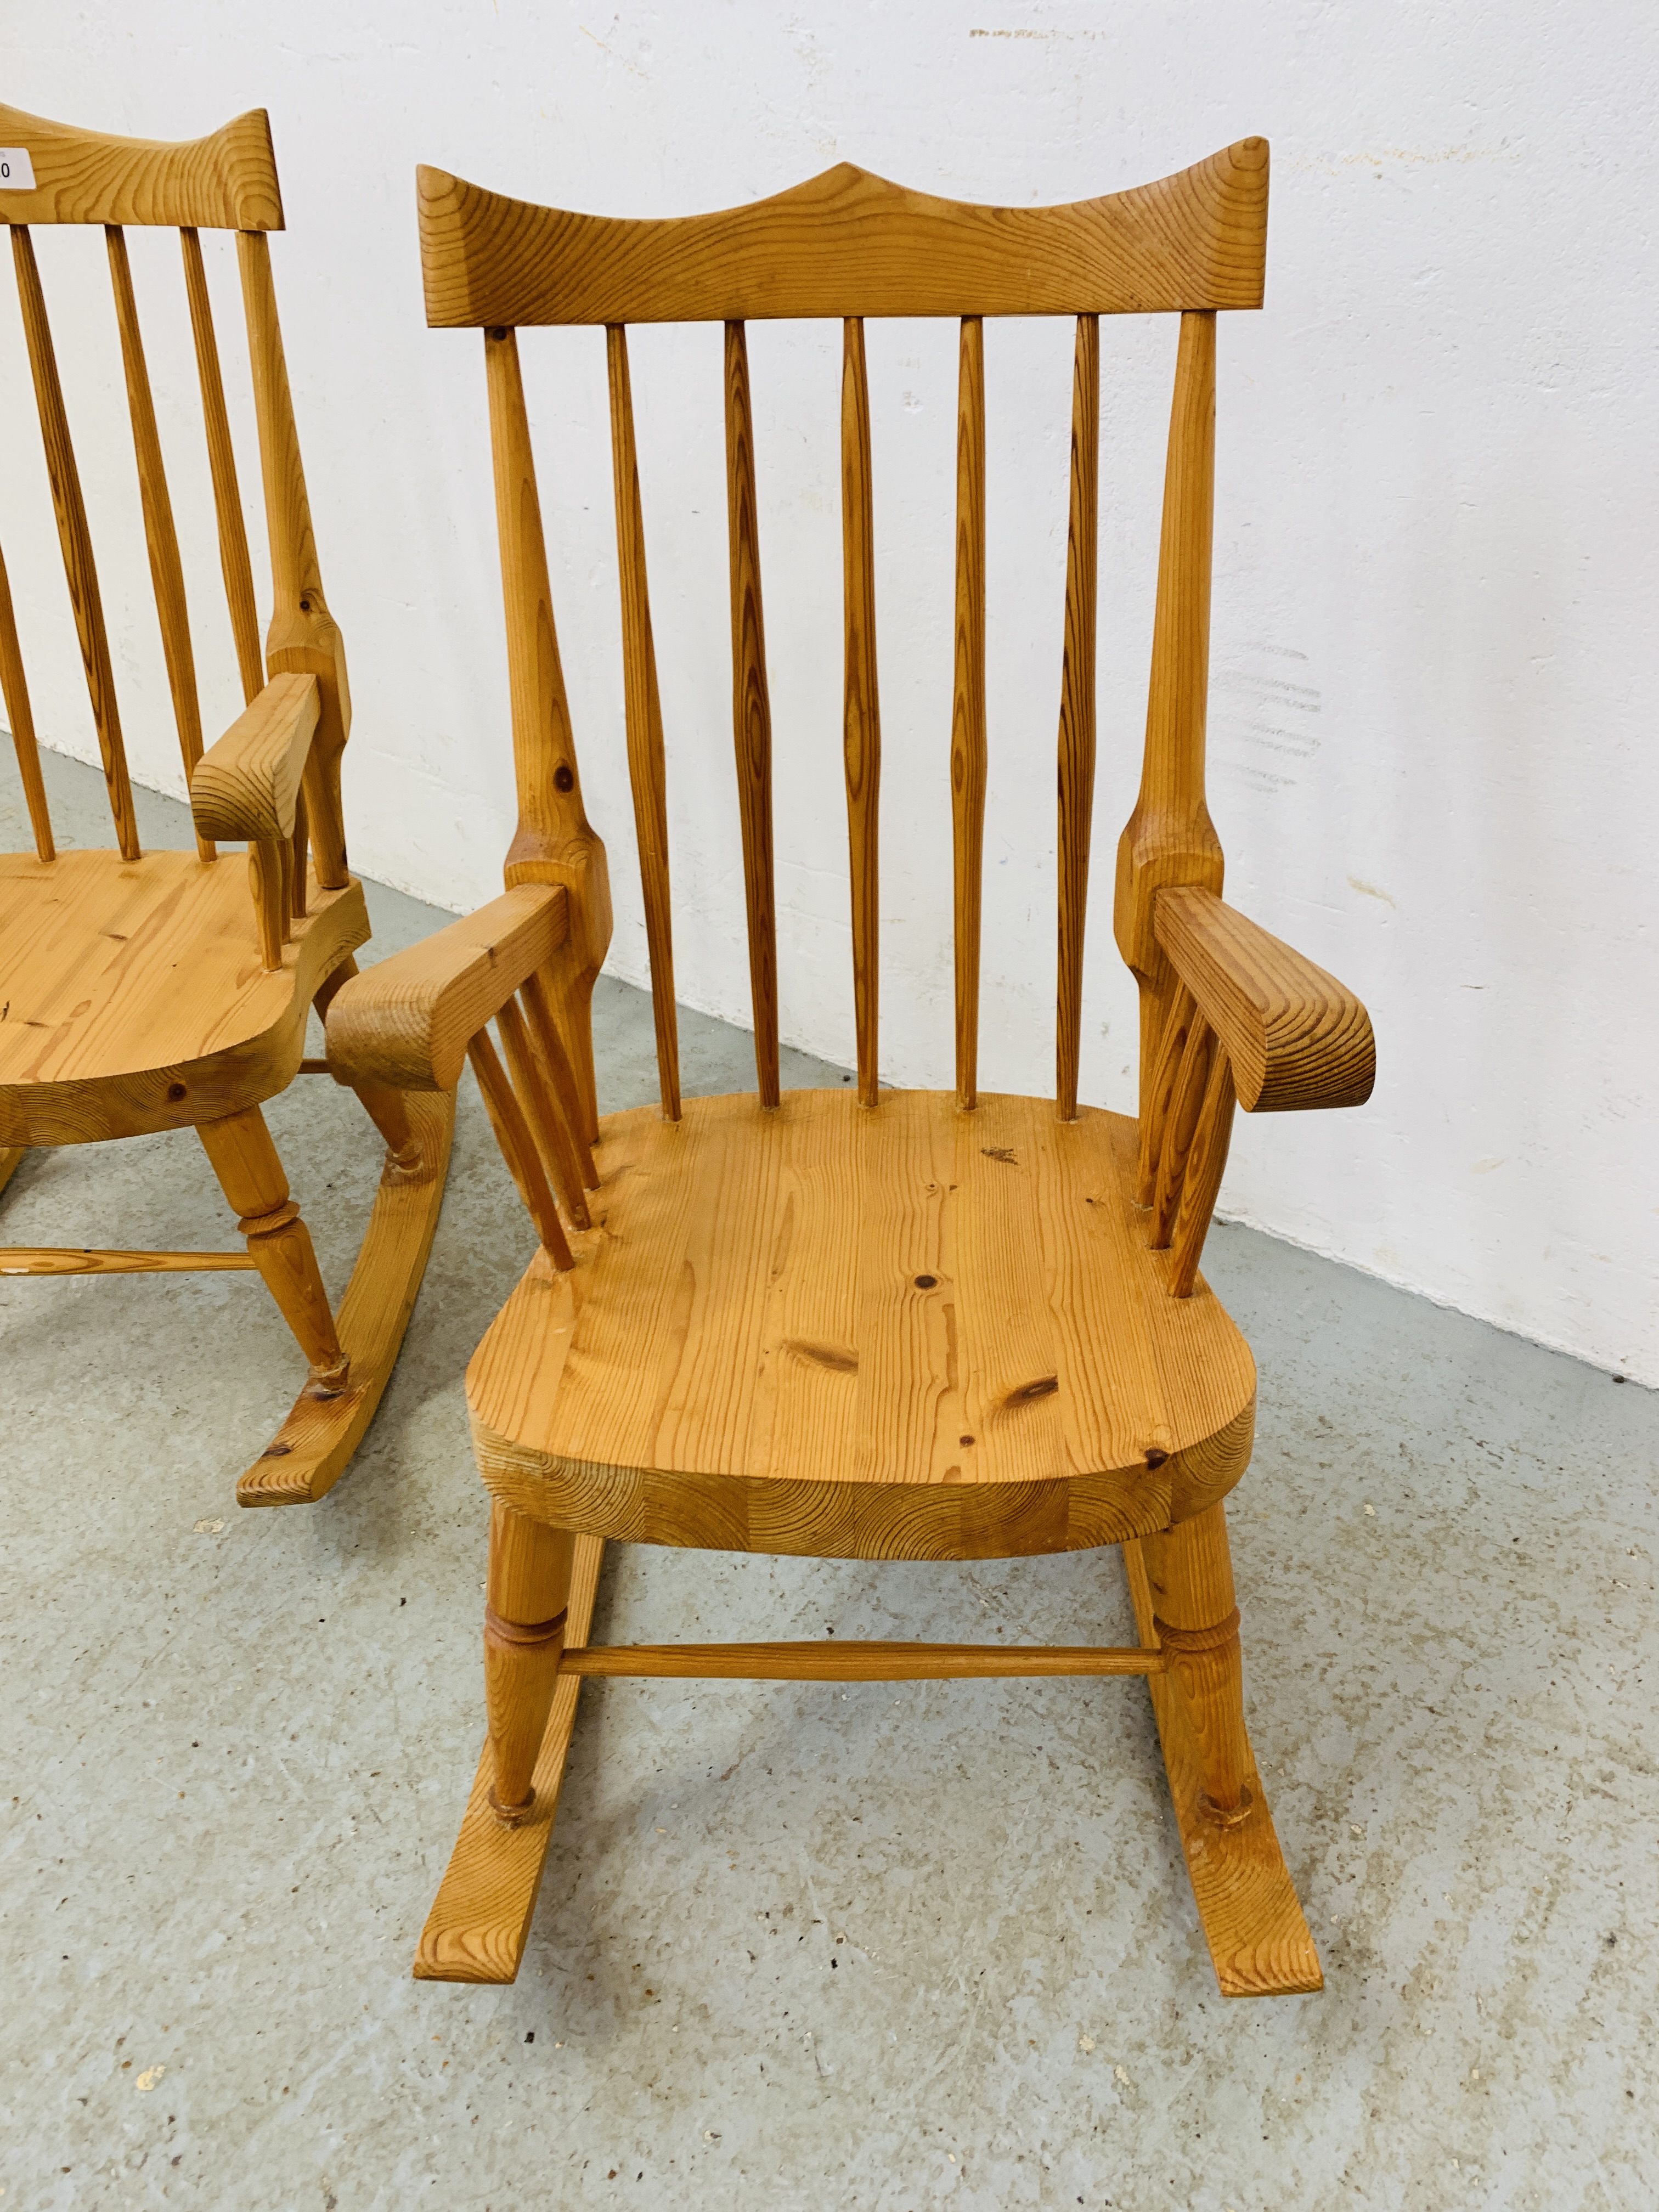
{"x":1435,"y":652}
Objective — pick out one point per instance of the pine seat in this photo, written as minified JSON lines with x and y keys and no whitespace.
{"x":915,"y":1333}
{"x":136,"y":997}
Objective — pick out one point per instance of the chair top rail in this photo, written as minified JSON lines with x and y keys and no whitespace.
{"x":849,"y":243}
{"x":226,"y":181}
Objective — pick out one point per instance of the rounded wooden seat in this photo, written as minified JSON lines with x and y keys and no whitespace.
{"x":134,"y":998}
{"x":905,"y":1332}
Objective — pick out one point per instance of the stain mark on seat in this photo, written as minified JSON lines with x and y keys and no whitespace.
{"x":1002,"y":1152}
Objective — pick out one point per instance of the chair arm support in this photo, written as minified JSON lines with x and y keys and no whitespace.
{"x":408,"y":1021}
{"x":1296,"y":1036}
{"x":247,"y":786}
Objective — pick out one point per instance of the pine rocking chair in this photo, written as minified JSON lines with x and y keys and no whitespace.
{"x":885,"y":1324}
{"x":141,"y":991}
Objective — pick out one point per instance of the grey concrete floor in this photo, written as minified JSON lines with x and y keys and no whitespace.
{"x":236,"y":1747}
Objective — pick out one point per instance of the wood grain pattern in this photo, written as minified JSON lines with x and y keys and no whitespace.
{"x":524,"y":1614}
{"x":861,"y":702}
{"x":1169,"y":837}
{"x":408,"y":1020}
{"x":247,"y":786}
{"x":1187,"y":1097}
{"x":480,"y":1918}
{"x":518,"y":1148}
{"x":311,"y":1449}
{"x":1296,"y":1036}
{"x":1200,"y":1186}
{"x":1258,"y":1940}
{"x":548,"y":1041}
{"x":134,"y":997}
{"x":535,"y":1095}
{"x":234,"y":562}
{"x":226,"y":181}
{"x":67,"y":1259}
{"x":847,"y":243}
{"x":914,"y":1333}
{"x":80,"y":570}
{"x":968,"y":739}
{"x":11,"y":1158}
{"x":254,"y":1181}
{"x":304,"y":638}
{"x":1077,"y":709}
{"x":555,"y":843}
{"x":854,"y":1661}
{"x":160,"y":539}
{"x":751,"y":712}
{"x":643,"y":708}
{"x":20,"y":716}
{"x":1159,"y":1091}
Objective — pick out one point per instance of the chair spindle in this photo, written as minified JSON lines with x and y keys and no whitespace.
{"x":1155,"y":1103}
{"x":14,"y":688}
{"x":536,"y":1096}
{"x":1076,"y":706}
{"x":1169,"y":838}
{"x":303,"y":639}
{"x":1180,"y":1127}
{"x":222,"y":462}
{"x":1201,"y":1184}
{"x":861,"y":702}
{"x":548,"y":1041}
{"x":968,"y":749}
{"x":751,"y":712}
{"x":507,"y":1118}
{"x":643,"y":705}
{"x":75,"y":539}
{"x":166,"y":574}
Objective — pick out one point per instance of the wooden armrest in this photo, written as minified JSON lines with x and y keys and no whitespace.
{"x":1295,"y":1035}
{"x":407,"y":1021}
{"x":248,"y":784}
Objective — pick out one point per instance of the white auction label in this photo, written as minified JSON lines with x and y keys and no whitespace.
{"x":17,"y":170}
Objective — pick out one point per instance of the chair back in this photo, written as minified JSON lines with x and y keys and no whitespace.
{"x":849,"y":246}
{"x":52,"y":174}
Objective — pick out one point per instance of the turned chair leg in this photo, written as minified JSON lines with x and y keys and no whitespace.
{"x":279,"y":1244}
{"x":1191,"y":1572}
{"x":529,"y":1590}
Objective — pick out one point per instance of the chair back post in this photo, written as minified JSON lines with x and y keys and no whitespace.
{"x":303,"y":638}
{"x":1169,"y":838}
{"x":555,"y":843}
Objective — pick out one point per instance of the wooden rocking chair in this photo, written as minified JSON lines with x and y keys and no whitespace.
{"x":165,"y":990}
{"x":884,"y":1324}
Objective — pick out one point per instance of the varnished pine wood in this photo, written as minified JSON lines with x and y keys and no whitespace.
{"x":751,"y":712}
{"x":161,"y":539}
{"x":11,"y":1158}
{"x":525,"y":1613}
{"x":226,"y":181}
{"x":535,"y":1095}
{"x":312,"y":1447}
{"x":1187,"y":1097}
{"x":234,"y":562}
{"x":860,"y":702}
{"x":409,"y":1020}
{"x":852,"y":1661}
{"x":518,"y":1148}
{"x":1201,"y":1185}
{"x":268,"y":882}
{"x":548,"y":1040}
{"x":847,"y":243}
{"x":968,"y":740}
{"x":1169,"y":837}
{"x":915,"y":1333}
{"x":480,"y":1919}
{"x":1296,"y":1036}
{"x":66,"y":1259}
{"x":554,"y":842}
{"x":643,"y":708}
{"x":1258,"y":1940}
{"x":14,"y":689}
{"x":80,"y":570}
{"x":137,"y":999}
{"x":251,"y":1175}
{"x":303,"y":639}
{"x":247,"y":786}
{"x":1158,"y":1091}
{"x":1076,"y":707}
